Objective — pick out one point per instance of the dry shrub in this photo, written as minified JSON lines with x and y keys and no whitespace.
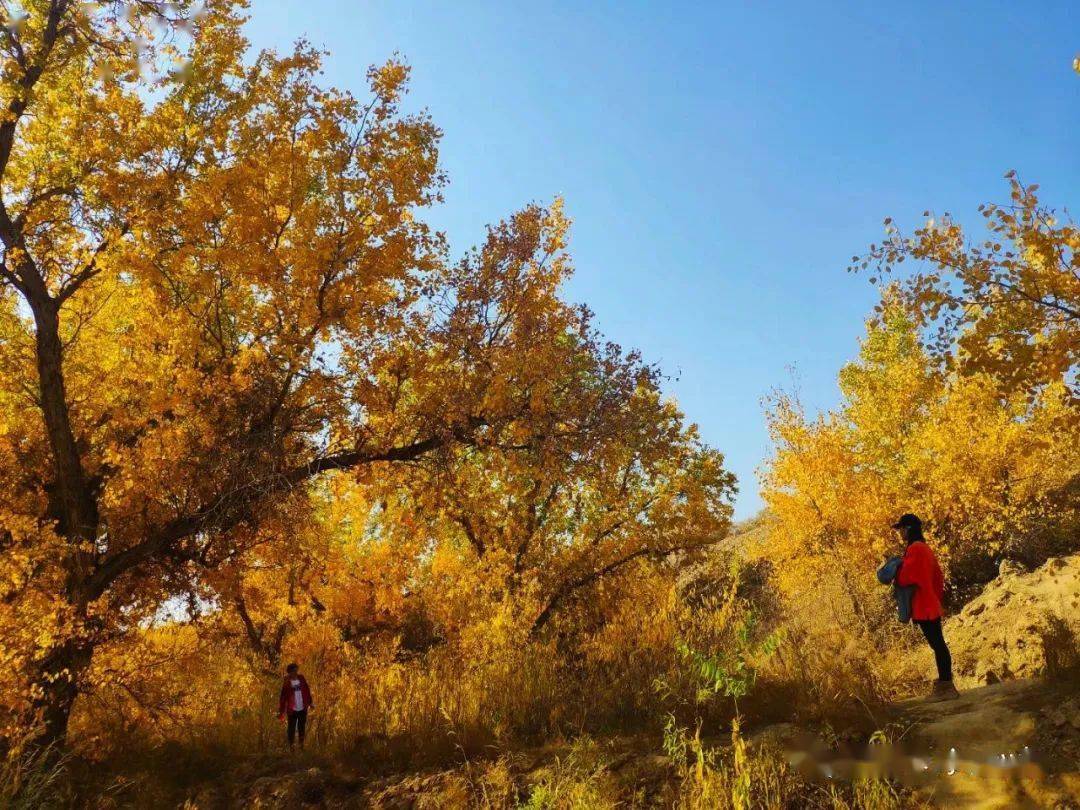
{"x":581,"y":779}
{"x":823,"y":677}
{"x":745,"y":777}
{"x":1060,"y":647}
{"x":29,"y":782}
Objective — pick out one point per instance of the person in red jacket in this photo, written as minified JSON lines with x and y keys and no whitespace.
{"x":294,"y":703}
{"x":920,"y":568}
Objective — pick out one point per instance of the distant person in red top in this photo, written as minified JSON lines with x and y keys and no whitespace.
{"x":294,"y":703}
{"x":920,"y":568}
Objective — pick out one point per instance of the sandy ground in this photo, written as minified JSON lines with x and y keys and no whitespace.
{"x":1012,"y":744}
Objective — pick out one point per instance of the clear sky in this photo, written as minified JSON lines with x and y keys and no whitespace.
{"x":723,"y":161}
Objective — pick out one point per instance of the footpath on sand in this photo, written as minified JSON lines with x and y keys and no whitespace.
{"x":1010,"y":744}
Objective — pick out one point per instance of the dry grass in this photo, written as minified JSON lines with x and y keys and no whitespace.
{"x":687,"y":657}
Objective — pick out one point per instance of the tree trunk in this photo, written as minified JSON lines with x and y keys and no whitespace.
{"x":73,"y":505}
{"x":56,"y":685}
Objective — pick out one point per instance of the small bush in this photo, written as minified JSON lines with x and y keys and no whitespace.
{"x":35,"y":780}
{"x":1061,"y":648}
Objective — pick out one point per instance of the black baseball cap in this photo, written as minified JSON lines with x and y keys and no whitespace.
{"x":908,"y":521}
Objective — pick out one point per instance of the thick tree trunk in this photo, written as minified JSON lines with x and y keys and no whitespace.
{"x":73,"y":505}
{"x":56,"y":686}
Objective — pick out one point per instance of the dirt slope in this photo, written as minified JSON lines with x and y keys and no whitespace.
{"x":1023,"y":625}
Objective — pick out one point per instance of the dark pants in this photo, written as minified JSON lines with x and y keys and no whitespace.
{"x":297,"y":725}
{"x":932,"y":630}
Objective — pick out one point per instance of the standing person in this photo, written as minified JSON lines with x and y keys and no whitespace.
{"x":294,"y":703}
{"x":920,"y":568}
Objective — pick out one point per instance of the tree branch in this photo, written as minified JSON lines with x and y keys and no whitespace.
{"x":567,"y":589}
{"x":90,"y":270}
{"x":235,"y":506}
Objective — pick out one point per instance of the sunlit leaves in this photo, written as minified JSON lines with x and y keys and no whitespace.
{"x":1008,"y":306}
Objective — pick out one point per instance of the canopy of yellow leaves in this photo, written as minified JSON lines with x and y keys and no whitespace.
{"x":239,"y":373}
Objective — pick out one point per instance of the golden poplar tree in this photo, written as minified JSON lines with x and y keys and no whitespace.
{"x":215,"y":289}
{"x":195,"y":247}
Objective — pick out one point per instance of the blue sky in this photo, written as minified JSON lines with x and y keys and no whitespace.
{"x":722,"y":162}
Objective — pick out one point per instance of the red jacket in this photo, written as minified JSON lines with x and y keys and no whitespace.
{"x":920,"y":568}
{"x":285,"y":702}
